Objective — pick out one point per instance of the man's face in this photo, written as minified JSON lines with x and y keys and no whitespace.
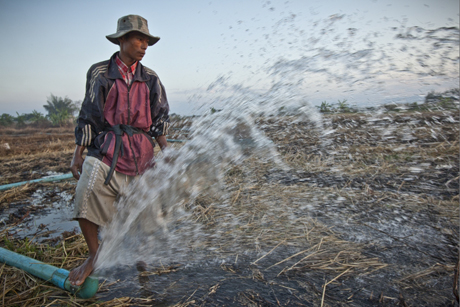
{"x":133,"y":47}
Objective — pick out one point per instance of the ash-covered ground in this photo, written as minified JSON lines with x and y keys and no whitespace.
{"x":366,"y":213}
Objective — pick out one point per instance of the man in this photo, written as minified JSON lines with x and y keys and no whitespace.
{"x":125,"y":106}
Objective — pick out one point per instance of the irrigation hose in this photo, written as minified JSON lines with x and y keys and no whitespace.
{"x":52,"y":274}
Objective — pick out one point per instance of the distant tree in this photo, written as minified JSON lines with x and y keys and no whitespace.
{"x":59,"y":109}
{"x":37,"y":118}
{"x":6,"y":120}
{"x":20,"y":119}
{"x":56,"y":105}
{"x":59,"y":119}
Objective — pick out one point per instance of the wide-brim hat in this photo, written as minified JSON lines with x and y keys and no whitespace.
{"x":132,"y":23}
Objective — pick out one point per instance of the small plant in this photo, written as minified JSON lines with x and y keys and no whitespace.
{"x":214,"y":110}
{"x":343,"y":106}
{"x":325,"y":107}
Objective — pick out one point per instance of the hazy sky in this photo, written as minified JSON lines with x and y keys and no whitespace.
{"x":48,"y":45}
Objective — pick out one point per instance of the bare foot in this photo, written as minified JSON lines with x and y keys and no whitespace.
{"x":78,"y":275}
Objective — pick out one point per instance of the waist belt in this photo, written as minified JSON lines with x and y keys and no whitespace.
{"x":118,"y":131}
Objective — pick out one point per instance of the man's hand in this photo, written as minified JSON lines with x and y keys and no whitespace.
{"x":161,"y":140}
{"x":77,"y":161}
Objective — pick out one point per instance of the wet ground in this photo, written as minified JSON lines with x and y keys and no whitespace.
{"x":367,"y":216}
{"x":43,"y":217}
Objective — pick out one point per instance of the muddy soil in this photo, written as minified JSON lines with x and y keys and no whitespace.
{"x":378,"y":194}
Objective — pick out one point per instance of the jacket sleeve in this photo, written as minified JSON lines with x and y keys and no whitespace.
{"x":159,"y":109}
{"x":89,"y":119}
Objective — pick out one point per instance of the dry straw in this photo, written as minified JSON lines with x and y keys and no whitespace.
{"x":376,"y":156}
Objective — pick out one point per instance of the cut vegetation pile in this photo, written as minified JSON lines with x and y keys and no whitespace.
{"x":366,"y":214}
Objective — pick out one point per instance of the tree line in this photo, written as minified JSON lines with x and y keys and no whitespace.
{"x":61,"y":112}
{"x":433,"y":101}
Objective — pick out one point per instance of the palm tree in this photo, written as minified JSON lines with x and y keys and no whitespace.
{"x":60,"y":110}
{"x":58,"y":105}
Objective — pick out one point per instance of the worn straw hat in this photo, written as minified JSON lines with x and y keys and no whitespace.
{"x":132,"y":23}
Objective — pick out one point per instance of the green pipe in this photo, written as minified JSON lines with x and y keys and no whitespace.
{"x":46,"y":179}
{"x":56,"y":276}
{"x":175,"y":141}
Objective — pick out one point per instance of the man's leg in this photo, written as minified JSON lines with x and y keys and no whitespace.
{"x":94,"y":201}
{"x":91,"y":210}
{"x":90,"y":230}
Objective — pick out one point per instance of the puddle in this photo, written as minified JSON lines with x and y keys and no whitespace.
{"x":44,"y":216}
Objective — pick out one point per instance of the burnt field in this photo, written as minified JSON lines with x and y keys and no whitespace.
{"x":365,"y":212}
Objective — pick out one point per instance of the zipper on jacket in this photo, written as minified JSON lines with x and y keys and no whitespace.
{"x":129,"y":113}
{"x":129,"y":123}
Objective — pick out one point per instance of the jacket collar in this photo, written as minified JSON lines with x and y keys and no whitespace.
{"x":113,"y":73}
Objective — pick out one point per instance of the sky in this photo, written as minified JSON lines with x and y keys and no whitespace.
{"x":330,"y":48}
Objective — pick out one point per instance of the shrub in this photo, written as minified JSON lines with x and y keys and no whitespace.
{"x":6,"y":120}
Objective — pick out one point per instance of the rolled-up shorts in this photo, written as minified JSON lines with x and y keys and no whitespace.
{"x":94,"y":200}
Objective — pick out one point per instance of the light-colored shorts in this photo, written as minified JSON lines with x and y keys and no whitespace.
{"x":94,"y":200}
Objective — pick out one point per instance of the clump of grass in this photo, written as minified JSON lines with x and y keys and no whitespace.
{"x":20,"y":288}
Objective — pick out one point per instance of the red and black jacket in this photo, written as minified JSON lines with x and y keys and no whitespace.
{"x":139,"y":110}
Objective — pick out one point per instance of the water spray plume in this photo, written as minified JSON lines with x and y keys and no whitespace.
{"x":157,"y":218}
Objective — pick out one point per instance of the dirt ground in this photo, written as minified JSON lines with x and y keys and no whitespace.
{"x":366,"y":215}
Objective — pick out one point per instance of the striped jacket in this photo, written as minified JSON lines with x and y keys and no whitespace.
{"x":109,"y":102}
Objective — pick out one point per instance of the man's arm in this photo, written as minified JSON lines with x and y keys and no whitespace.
{"x":88,"y":122}
{"x":159,"y":110}
{"x":77,"y":161}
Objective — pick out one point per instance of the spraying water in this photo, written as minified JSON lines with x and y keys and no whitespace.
{"x":163,"y":217}
{"x":157,"y":216}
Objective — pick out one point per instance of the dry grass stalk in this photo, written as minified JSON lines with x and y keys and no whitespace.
{"x":15,"y":194}
{"x":373,"y":163}
{"x":433,"y":270}
{"x":329,"y":282}
{"x":269,"y":252}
